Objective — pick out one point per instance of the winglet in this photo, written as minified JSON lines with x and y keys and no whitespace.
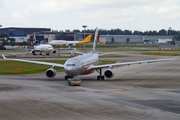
{"x":3,"y":56}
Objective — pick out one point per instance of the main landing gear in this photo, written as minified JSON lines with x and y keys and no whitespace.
{"x":100,"y":76}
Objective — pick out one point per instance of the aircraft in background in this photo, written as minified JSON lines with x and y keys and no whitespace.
{"x":43,"y":48}
{"x":64,"y":42}
{"x":85,"y":64}
{"x":47,"y":48}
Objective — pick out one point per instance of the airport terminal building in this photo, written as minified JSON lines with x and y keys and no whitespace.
{"x":21,"y":34}
{"x":43,"y":35}
{"x":132,"y":39}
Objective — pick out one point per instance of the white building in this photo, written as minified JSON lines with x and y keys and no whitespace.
{"x":19,"y":38}
{"x":124,"y":39}
{"x":164,"y":40}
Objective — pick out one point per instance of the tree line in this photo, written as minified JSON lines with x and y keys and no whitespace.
{"x":4,"y":39}
{"x":126,"y":32}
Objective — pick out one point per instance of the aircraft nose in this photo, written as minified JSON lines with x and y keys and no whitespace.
{"x":72,"y":71}
{"x":72,"y":67}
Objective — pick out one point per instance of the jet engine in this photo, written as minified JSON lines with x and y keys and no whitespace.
{"x":54,"y":51}
{"x":108,"y":73}
{"x":50,"y":73}
{"x":35,"y":42}
{"x":33,"y":52}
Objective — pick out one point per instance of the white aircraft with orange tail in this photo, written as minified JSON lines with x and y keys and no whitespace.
{"x":65,"y":42}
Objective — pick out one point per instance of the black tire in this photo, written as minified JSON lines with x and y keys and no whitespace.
{"x":66,"y":77}
{"x":102,"y":77}
{"x":98,"y":77}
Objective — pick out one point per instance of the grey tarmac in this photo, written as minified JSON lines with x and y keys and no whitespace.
{"x":146,"y":91}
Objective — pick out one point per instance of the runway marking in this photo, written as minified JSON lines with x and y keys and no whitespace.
{"x":70,"y":89}
{"x":113,"y":89}
{"x":119,"y":92}
{"x":88,"y":90}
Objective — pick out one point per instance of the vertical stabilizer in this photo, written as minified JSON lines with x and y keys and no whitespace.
{"x":34,"y":37}
{"x":35,"y":42}
{"x":95,"y":40}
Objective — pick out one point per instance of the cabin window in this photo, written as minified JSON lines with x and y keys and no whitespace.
{"x":71,"y":65}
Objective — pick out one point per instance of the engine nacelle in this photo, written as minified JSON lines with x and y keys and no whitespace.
{"x":50,"y":73}
{"x":54,"y":51}
{"x":32,"y":51}
{"x":35,"y":42}
{"x":108,"y":73}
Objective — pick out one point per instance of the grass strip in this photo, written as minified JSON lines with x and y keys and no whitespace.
{"x":31,"y":68}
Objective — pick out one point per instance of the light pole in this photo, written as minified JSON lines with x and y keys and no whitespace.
{"x":169,"y":31}
{"x":84,"y":26}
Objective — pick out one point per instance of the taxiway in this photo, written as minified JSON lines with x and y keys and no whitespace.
{"x":145,"y":91}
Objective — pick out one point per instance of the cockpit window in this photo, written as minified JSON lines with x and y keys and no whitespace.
{"x":71,"y":65}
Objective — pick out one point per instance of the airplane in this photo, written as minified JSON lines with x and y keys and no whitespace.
{"x":43,"y":48}
{"x":47,"y":48}
{"x":64,"y":42}
{"x":86,"y":64}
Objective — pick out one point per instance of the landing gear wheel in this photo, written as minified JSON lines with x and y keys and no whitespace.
{"x":100,"y":77}
{"x":66,"y":77}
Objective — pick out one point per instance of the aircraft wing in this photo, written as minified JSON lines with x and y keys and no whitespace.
{"x":36,"y":62}
{"x":81,"y":53}
{"x":127,"y":63}
{"x":107,"y":53}
{"x":99,"y":54}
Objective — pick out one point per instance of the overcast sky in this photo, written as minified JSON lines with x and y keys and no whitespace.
{"x":106,"y":14}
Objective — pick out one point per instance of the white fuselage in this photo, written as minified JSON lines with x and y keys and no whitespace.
{"x":63,"y":42}
{"x":43,"y":48}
